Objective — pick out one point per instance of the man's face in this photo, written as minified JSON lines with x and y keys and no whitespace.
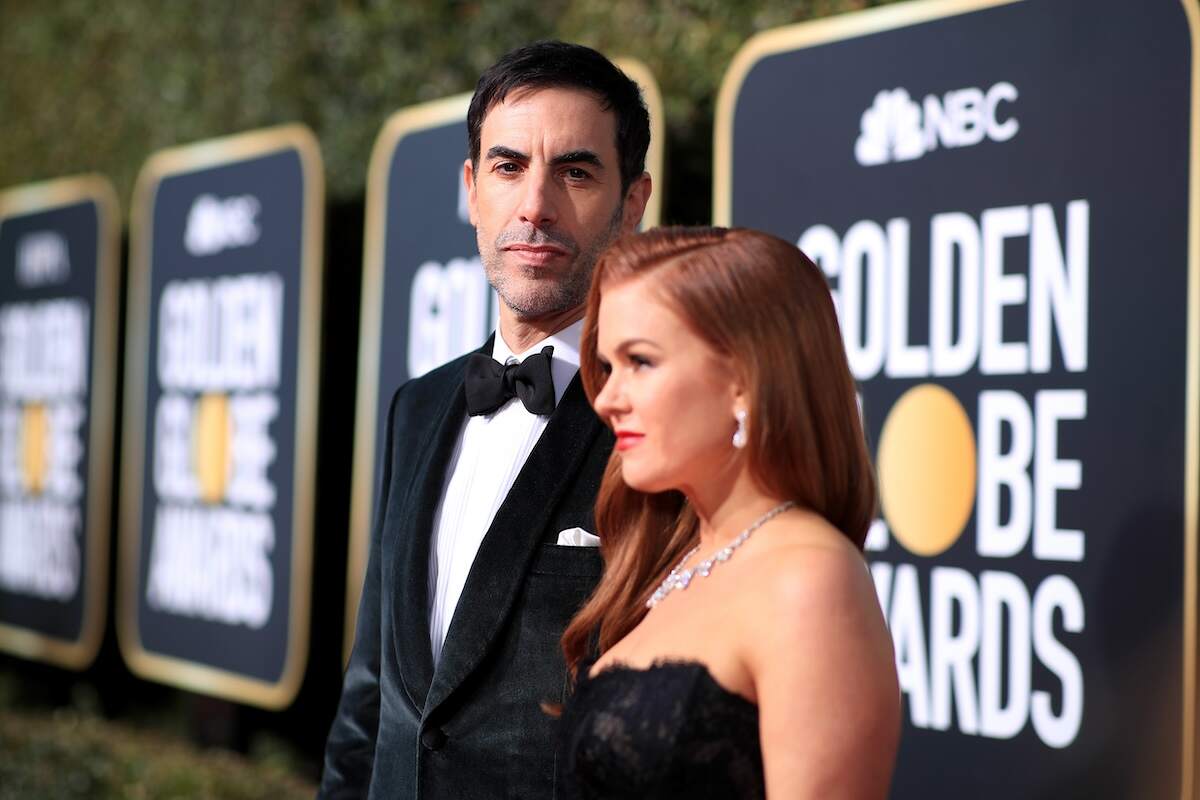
{"x":546,"y":198}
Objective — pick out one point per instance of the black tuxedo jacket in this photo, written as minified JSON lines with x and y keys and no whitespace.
{"x":474,"y":728}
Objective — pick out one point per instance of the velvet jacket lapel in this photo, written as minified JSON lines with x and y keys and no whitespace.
{"x":519,"y":527}
{"x":410,"y":601}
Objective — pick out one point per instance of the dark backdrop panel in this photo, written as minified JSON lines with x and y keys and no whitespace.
{"x":250,"y":214}
{"x":57,"y":245}
{"x":1101,"y":101}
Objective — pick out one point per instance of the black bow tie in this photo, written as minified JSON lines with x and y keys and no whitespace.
{"x":491,"y":384}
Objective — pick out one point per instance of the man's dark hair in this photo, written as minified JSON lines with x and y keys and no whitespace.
{"x":545,"y":65}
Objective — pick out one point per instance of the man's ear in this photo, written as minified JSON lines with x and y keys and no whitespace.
{"x":469,"y":182}
{"x":635,"y":203}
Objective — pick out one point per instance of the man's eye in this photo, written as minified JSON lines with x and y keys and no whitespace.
{"x":577,"y":174}
{"x":508,"y":167}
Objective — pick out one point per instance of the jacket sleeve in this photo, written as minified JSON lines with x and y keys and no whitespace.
{"x":350,"y":748}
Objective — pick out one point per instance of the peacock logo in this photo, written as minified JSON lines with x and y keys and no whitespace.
{"x":897,"y":128}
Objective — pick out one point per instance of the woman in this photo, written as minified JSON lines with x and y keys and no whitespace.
{"x":742,"y":648}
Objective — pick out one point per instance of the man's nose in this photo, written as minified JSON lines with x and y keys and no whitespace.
{"x":538,"y":206}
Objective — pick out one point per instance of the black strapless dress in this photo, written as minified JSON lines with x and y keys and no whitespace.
{"x":663,"y":732}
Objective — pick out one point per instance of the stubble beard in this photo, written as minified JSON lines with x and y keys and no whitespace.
{"x":530,"y":294}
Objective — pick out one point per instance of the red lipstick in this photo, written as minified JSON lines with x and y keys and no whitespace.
{"x":628,"y":439}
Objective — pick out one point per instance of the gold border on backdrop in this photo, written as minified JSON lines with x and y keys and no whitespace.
{"x":39,"y":197}
{"x":163,"y":164}
{"x":1191,"y":559}
{"x":848,"y":26}
{"x":652,"y":96}
{"x":404,"y":122}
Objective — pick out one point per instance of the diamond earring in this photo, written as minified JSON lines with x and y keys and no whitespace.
{"x":739,"y":436}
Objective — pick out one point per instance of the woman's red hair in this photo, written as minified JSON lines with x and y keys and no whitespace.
{"x":761,"y":302}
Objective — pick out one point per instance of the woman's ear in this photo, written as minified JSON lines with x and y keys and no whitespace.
{"x":738,"y":393}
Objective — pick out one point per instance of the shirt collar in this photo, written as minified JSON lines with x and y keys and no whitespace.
{"x":563,"y":365}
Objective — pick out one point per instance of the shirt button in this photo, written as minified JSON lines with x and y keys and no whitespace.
{"x":433,"y":738}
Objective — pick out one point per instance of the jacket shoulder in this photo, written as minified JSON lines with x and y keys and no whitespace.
{"x":429,"y":392}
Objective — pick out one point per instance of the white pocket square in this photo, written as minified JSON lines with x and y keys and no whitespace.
{"x":578,"y":537}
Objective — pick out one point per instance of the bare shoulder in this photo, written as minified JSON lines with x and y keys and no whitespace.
{"x":822,"y":665}
{"x":813,"y":593}
{"x":807,"y":565}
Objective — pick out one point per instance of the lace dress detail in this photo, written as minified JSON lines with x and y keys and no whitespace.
{"x":663,"y":732}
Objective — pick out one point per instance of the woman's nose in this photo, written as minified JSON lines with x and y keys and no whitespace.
{"x":609,"y":400}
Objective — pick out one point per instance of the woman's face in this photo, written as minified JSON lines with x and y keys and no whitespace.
{"x":669,"y":397}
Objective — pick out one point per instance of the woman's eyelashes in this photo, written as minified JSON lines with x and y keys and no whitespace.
{"x":639,"y":361}
{"x":631,"y":361}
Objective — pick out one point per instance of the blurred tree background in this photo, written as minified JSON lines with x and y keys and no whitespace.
{"x":90,"y":86}
{"x":87,"y":86}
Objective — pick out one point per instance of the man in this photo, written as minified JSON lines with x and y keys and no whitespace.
{"x":467,"y":588}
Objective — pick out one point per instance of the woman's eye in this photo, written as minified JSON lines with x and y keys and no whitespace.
{"x":640,"y":361}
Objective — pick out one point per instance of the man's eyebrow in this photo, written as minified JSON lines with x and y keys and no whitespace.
{"x":577,"y":157}
{"x":500,"y":151}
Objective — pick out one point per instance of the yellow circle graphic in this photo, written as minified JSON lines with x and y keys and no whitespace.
{"x":927,"y":469}
{"x":211,"y":443}
{"x":35,"y":447}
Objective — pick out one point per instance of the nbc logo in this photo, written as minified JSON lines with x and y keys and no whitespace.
{"x":42,"y":258}
{"x":214,"y":225}
{"x":897,"y":128}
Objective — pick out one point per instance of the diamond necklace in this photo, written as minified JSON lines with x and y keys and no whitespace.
{"x":677,"y":579}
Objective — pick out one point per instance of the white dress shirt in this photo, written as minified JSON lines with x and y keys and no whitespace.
{"x":487,"y":458}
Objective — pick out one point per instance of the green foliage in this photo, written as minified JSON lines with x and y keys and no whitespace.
{"x":67,"y":755}
{"x":91,"y":86}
